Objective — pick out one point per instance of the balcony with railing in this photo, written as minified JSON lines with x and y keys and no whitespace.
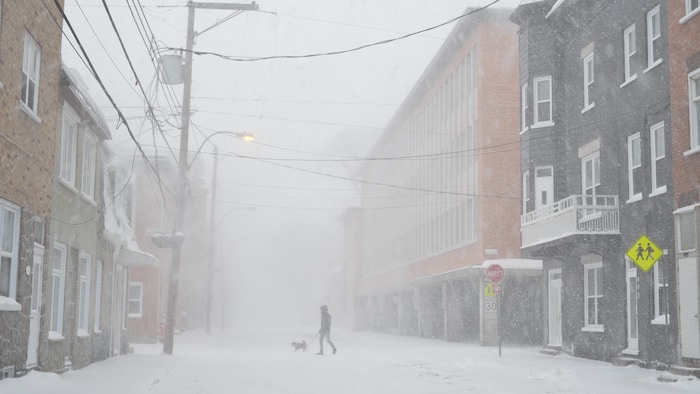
{"x":574,"y":215}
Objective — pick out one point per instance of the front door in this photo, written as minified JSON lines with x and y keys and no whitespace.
{"x":689,"y":309}
{"x":544,"y":186}
{"x":119,"y":309}
{"x":632,"y":320}
{"x":555,"y":307}
{"x":35,"y":312}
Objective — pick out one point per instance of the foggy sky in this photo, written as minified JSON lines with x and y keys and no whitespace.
{"x":285,"y":257}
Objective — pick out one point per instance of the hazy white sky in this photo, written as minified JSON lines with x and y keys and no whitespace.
{"x":303,"y":112}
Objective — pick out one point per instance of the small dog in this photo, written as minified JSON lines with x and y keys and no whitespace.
{"x":299,"y":345}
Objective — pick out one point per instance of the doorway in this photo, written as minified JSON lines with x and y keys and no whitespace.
{"x":554,"y":307}
{"x":632,"y":317}
{"x":544,"y":186}
{"x":35,"y":312}
{"x":689,"y":309}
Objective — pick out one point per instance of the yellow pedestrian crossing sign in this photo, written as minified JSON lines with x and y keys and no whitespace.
{"x":644,"y":253}
{"x":488,"y":290}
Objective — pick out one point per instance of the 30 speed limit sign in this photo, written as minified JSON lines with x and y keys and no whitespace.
{"x":490,"y":306}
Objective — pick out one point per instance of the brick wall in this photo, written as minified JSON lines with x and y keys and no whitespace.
{"x":26,"y":148}
{"x":684,"y":49}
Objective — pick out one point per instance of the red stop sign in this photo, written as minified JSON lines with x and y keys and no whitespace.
{"x":495,"y":273}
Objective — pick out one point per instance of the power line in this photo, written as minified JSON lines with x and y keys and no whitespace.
{"x":343,"y":51}
{"x":94,"y":73}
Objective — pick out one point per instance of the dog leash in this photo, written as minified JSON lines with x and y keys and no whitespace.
{"x":313,"y":340}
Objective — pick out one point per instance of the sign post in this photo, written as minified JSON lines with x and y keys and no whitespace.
{"x":495,"y":273}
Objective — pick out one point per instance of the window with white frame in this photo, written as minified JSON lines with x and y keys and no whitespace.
{"x":629,"y":37}
{"x":84,"y":268}
{"x":543,"y":101}
{"x":588,"y":82}
{"x":69,"y":138}
{"x":660,"y":290}
{"x":687,"y":237}
{"x":653,"y":37}
{"x":135,"y":299}
{"x":98,"y":295}
{"x":694,"y":104}
{"x":523,"y":107}
{"x":38,"y":231}
{"x":526,"y":189}
{"x":31,"y":61}
{"x":593,"y":295}
{"x":9,"y":249}
{"x":658,"y":153}
{"x":634,"y":166}
{"x":691,"y":6}
{"x":58,"y":283}
{"x":590,"y":174}
{"x":89,"y":155}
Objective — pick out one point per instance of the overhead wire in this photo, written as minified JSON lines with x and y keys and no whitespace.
{"x":170,"y":95}
{"x":337,"y":52}
{"x":99,"y":80}
{"x":343,"y":51}
{"x":138,"y":82}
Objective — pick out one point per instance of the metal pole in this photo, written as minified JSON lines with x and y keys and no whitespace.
{"x":182,"y":189}
{"x":498,"y":319}
{"x":174,"y":283}
{"x":212,"y":242}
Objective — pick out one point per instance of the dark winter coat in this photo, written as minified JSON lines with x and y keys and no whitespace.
{"x":325,"y":322}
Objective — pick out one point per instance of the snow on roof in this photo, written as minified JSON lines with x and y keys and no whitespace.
{"x":554,"y":8}
{"x":514,"y":264}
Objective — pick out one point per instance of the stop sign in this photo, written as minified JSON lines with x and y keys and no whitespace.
{"x":495,"y":273}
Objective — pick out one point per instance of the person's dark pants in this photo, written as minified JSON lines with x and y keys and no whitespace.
{"x":327,"y":335}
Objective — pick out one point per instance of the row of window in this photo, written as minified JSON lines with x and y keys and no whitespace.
{"x":429,"y":223}
{"x":687,"y":239}
{"x":69,"y":155}
{"x":9,"y":258}
{"x":542,"y":86}
{"x":58,"y":288}
{"x":593,"y":285}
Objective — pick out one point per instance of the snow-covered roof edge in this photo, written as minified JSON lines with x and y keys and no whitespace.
{"x":80,"y":90}
{"x":513,"y":263}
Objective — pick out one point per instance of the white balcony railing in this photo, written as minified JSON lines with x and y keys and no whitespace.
{"x":578,"y":214}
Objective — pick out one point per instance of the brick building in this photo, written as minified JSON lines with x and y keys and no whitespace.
{"x":30,"y":64}
{"x":154,"y":216}
{"x":443,"y":201}
{"x":684,"y":50}
{"x":596,"y":167}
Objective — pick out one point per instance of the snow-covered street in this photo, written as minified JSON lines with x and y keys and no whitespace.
{"x":365,"y":363}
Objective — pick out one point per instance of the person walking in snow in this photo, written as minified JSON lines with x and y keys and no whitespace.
{"x":325,"y":330}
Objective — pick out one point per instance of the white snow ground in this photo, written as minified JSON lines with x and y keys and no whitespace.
{"x":365,"y":363}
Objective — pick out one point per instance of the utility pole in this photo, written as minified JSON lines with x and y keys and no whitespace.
{"x":212,"y":242}
{"x":174,"y":283}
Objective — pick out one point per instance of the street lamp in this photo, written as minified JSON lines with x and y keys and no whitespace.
{"x":212,"y":253}
{"x":247,"y":137}
{"x":174,"y":280}
{"x":212,"y":230}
